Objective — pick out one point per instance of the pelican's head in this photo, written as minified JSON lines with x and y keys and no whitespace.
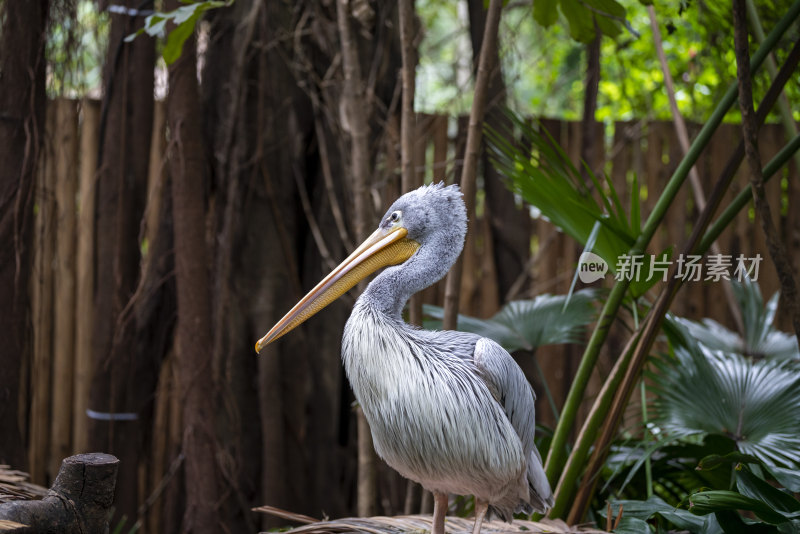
{"x":431,"y":218}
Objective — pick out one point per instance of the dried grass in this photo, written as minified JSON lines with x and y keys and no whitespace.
{"x":10,"y":525}
{"x":419,"y":523}
{"x":14,"y":486}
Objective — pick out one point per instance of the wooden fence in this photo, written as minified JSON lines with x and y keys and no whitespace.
{"x":62,"y":281}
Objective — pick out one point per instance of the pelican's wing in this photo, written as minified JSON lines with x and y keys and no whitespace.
{"x":509,"y":387}
{"x":512,"y":390}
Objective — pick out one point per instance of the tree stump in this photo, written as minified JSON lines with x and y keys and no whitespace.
{"x":78,"y":502}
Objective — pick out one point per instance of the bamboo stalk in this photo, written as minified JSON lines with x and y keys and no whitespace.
{"x":356,"y":109}
{"x":66,"y":188}
{"x":472,"y":151}
{"x":408,"y":122}
{"x":744,"y":196}
{"x":787,"y":120}
{"x":84,"y":267}
{"x":42,"y":312}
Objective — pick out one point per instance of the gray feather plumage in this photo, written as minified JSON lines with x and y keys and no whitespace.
{"x":450,"y":410}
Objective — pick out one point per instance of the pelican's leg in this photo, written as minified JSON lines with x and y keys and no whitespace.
{"x":481,"y":507}
{"x":439,"y":511}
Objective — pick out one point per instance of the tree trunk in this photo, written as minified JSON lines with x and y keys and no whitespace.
{"x":194,"y":343}
{"x":22,"y":109}
{"x":357,"y":110}
{"x":589,"y":141}
{"x":508,"y":222}
{"x":273,"y":114}
{"x":117,"y":392}
{"x":472,"y":151}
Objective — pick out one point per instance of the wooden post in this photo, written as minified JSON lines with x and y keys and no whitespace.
{"x":84,"y":267}
{"x":42,"y":310}
{"x":66,"y":187}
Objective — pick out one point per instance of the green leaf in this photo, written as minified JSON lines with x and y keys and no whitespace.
{"x":177,"y":37}
{"x":528,"y":324}
{"x":545,"y":177}
{"x":790,"y":527}
{"x":632,"y":525}
{"x":788,"y":478}
{"x":714,"y":461}
{"x":707,"y":502}
{"x":606,"y":8}
{"x":580,"y":20}
{"x":545,"y":12}
{"x":154,"y":25}
{"x":656,"y":506}
{"x":732,"y":523}
{"x":184,"y":13}
{"x":755,"y":403}
{"x":132,"y":36}
{"x":754,"y":487}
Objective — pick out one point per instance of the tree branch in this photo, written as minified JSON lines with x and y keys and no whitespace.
{"x":750,"y":134}
{"x":472,"y":152}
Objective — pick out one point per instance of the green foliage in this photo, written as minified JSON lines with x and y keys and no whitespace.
{"x":581,"y":16}
{"x":590,"y":212}
{"x":184,"y":18}
{"x":702,"y":391}
{"x":761,"y":339}
{"x":543,"y":63}
{"x":76,"y":45}
{"x":726,"y":432}
{"x":637,"y":513}
{"x":528,"y":324}
{"x":776,"y":509}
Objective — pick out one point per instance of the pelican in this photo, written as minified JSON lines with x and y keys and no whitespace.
{"x":449,"y":410}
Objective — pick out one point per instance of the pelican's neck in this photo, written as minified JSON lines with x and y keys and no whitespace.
{"x":390,"y":290}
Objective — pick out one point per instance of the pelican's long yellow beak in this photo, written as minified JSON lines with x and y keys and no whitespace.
{"x":381,"y":249}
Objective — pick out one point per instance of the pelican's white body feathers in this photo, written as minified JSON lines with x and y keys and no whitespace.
{"x":450,"y":410}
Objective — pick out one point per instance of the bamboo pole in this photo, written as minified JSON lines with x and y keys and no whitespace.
{"x":356,"y":109}
{"x":789,"y":126}
{"x":408,"y":122}
{"x":42,"y":312}
{"x":66,"y":189}
{"x":84,"y":267}
{"x":472,"y":151}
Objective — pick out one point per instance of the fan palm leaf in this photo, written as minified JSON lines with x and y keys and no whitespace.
{"x":760,"y":340}
{"x":528,"y":324}
{"x":701,"y":391}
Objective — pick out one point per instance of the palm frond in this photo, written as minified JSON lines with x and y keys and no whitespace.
{"x":754,"y":403}
{"x":761,"y":339}
{"x":528,"y":324}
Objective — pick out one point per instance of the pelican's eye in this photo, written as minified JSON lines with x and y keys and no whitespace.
{"x":395,"y":216}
